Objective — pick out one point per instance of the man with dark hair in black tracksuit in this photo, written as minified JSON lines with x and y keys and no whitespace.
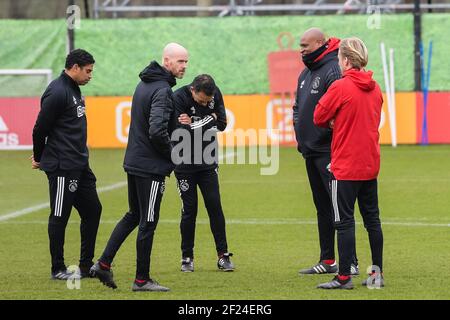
{"x":201,"y":113}
{"x":147,"y":163}
{"x":59,"y":149}
{"x":322,"y":69}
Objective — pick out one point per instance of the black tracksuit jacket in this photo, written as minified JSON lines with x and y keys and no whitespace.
{"x":313,"y":82}
{"x":152,"y":122}
{"x":60,"y":131}
{"x":202,"y":120}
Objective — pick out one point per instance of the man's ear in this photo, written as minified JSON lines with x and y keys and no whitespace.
{"x":75,"y":67}
{"x":166,"y":61}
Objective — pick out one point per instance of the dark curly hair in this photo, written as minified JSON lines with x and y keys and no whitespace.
{"x":204,"y":83}
{"x":80,"y":57}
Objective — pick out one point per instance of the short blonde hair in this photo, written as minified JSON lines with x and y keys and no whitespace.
{"x":355,"y":51}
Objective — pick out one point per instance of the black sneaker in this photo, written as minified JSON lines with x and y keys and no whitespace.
{"x":187,"y":264}
{"x":62,"y":275}
{"x":104,"y":275}
{"x":321,"y":268}
{"x":85,"y":272}
{"x":149,"y":285}
{"x":374,"y":280}
{"x":337,"y":284}
{"x":224,"y":263}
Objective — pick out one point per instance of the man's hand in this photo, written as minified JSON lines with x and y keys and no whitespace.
{"x":331,"y":124}
{"x":34,"y":164}
{"x":184,"y":119}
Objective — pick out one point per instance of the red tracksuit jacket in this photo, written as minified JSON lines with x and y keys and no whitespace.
{"x":354,"y":102}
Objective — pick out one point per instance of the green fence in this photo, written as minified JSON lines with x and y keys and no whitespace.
{"x":234,"y":49}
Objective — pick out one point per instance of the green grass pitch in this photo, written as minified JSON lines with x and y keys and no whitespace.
{"x":271,"y":230}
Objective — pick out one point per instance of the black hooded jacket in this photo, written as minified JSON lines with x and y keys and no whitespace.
{"x":152,"y":122}
{"x":313,"y":82}
{"x":60,"y":131}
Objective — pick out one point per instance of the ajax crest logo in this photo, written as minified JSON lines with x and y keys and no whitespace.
{"x":316,"y":83}
{"x":211,"y":104}
{"x":184,"y":185}
{"x":73,"y":185}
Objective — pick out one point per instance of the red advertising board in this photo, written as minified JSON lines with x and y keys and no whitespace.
{"x":438,"y":117}
{"x":108,"y":119}
{"x":284,"y":68}
{"x":17,"y":118}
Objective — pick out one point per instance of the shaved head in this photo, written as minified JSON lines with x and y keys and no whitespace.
{"x":173,"y":49}
{"x":311,"y":40}
{"x":175,"y":58}
{"x":315,"y":34}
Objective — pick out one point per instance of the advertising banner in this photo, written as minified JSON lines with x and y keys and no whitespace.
{"x":17,"y":118}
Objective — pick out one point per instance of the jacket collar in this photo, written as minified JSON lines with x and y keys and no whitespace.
{"x":69,"y":80}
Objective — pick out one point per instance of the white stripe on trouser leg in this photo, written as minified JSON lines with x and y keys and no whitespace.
{"x":334,"y":200}
{"x":181,"y":197}
{"x":57,"y":196}
{"x":178,"y":188}
{"x":61,"y":198}
{"x":152,"y":189}
{"x":152,"y":201}
{"x":155,"y":196}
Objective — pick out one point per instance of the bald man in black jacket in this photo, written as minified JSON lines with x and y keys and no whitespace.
{"x":322,"y":69}
{"x":147,"y":163}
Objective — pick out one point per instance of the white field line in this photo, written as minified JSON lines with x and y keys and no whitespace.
{"x":257,"y":222}
{"x":45,"y":205}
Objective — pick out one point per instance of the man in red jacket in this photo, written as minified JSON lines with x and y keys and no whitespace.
{"x":352,"y":108}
